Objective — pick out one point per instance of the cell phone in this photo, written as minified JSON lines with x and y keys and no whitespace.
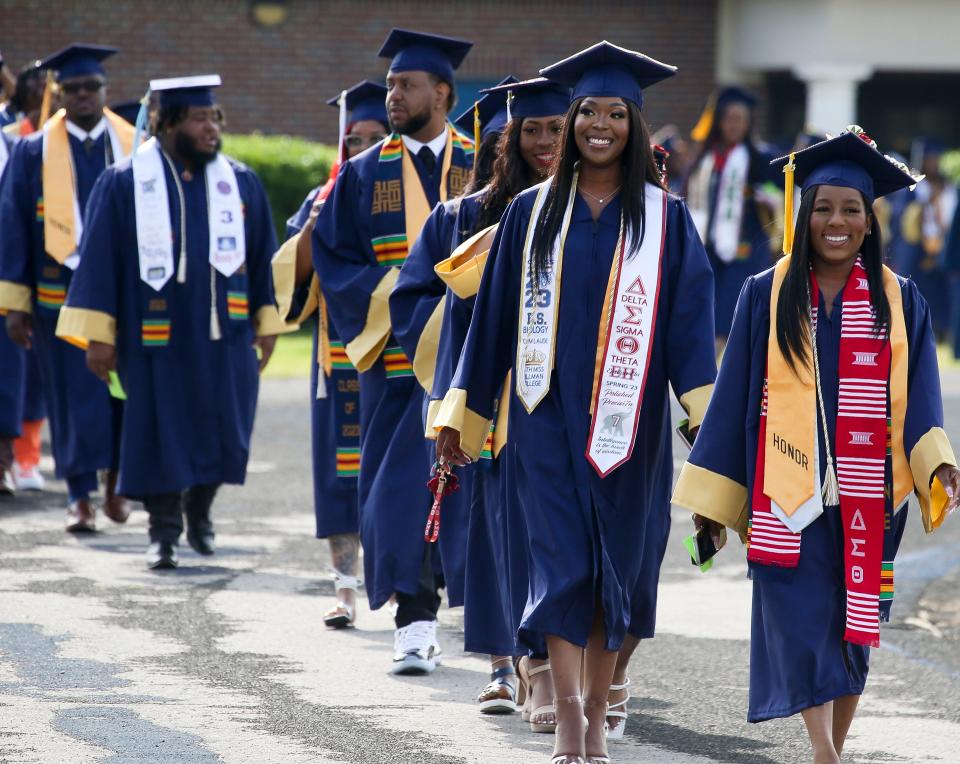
{"x":702,"y":548}
{"x":683,"y":430}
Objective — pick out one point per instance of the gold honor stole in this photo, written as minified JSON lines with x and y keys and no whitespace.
{"x":62,"y":223}
{"x":789,"y":478}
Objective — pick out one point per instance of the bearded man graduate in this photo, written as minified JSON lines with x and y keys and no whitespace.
{"x":43,"y":200}
{"x":378,"y":206}
{"x":173,"y":293}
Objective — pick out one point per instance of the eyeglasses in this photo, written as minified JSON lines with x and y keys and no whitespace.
{"x":355,"y":141}
{"x":72,"y":88}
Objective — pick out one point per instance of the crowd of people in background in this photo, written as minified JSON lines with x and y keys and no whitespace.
{"x":144,"y":292}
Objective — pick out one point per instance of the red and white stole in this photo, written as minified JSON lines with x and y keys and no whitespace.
{"x":861,"y":449}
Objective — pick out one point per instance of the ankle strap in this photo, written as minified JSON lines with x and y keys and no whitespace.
{"x":538,"y":670}
{"x":594,"y":702}
{"x":569,"y":699}
{"x":343,"y":581}
{"x":502,"y":672}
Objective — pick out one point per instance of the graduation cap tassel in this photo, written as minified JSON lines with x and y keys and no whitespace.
{"x":46,"y":105}
{"x":701,"y":130}
{"x":141,"y":124}
{"x":476,"y":133}
{"x":788,"y":212}
{"x":342,"y":122}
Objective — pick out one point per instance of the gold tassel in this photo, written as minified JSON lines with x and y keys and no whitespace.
{"x":788,"y":214}
{"x":476,"y":133}
{"x":701,"y":130}
{"x":46,"y":105}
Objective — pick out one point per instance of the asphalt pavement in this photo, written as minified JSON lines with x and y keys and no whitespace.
{"x":226,"y":659}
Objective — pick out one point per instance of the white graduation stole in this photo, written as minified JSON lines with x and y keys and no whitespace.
{"x":4,"y":153}
{"x":536,"y":340}
{"x":227,"y":248}
{"x":724,"y":226}
{"x":626,"y":335}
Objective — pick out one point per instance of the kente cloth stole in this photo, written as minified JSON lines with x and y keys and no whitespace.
{"x":625,"y":337}
{"x":62,"y":222}
{"x":400,"y":206}
{"x":863,"y":458}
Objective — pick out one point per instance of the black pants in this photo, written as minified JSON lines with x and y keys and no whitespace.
{"x":167,"y":510}
{"x":423,"y":605}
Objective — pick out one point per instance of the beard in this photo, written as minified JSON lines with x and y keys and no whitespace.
{"x":186,"y":147}
{"x":414,"y":123}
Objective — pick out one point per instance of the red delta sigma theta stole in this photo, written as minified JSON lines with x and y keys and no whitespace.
{"x":861,"y":459}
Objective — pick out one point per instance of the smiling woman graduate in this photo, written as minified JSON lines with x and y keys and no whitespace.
{"x":810,"y":450}
{"x":598,"y":295}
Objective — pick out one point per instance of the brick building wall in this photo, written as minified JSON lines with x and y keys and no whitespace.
{"x":276,"y":80}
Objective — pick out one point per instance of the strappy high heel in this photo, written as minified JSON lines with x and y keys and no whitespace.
{"x":615,"y":731}
{"x":568,"y":758}
{"x":342,"y":616}
{"x":597,"y":758}
{"x":540,"y":711}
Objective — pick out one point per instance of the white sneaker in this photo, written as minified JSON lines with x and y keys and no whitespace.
{"x":28,"y":479}
{"x":8,"y":486}
{"x":415,"y":648}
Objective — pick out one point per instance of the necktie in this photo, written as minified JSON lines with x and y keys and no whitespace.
{"x":88,"y":145}
{"x":428,"y":159}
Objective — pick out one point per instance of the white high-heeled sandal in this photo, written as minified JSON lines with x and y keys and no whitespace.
{"x":342,"y":616}
{"x":616,"y":732}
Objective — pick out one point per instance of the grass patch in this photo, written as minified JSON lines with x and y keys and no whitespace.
{"x":293,"y":355}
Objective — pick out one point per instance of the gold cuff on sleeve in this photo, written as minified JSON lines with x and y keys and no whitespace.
{"x":712,"y":495}
{"x":463,"y":270}
{"x":80,"y":326}
{"x":267,"y":322}
{"x":932,"y":450}
{"x":433,"y":408}
{"x":366,"y":347}
{"x":472,"y":427}
{"x":14,"y":296}
{"x":695,"y":403}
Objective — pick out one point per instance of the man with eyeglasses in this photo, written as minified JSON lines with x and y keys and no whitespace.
{"x":43,"y":198}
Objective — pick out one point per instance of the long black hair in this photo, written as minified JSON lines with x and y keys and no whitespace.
{"x":510,"y":176}
{"x":793,"y":317}
{"x":639,"y":168}
{"x":483,"y":169}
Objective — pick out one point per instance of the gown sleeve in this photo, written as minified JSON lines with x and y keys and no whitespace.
{"x":713,"y":482}
{"x":691,"y":354}
{"x":92,"y":306}
{"x":468,"y":405}
{"x":924,"y":439}
{"x":417,"y":300}
{"x":294,"y":302}
{"x":261,"y":244}
{"x":16,"y":273}
{"x":357,"y":288}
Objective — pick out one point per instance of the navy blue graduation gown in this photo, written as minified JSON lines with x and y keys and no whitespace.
{"x":190,"y":408}
{"x":394,"y":466}
{"x":798,"y":657}
{"x":334,"y":497}
{"x":82,"y":415}
{"x":587,"y":534}
{"x":755,"y":254}
{"x":13,"y":363}
{"x":496,"y":563}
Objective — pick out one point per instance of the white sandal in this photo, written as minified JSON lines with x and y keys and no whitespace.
{"x":535,"y":726}
{"x":615,"y":732}
{"x":342,"y":616}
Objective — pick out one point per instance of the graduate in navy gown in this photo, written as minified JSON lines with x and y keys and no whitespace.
{"x":496,"y":551}
{"x":43,"y":200}
{"x":821,"y":496}
{"x":172,"y":296}
{"x":335,"y":405}
{"x":376,"y":210}
{"x":733,"y":197}
{"x":924,"y":217}
{"x":599,"y":258}
{"x":416,"y":312}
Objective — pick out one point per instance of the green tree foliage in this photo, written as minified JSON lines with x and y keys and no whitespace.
{"x":288,"y":167}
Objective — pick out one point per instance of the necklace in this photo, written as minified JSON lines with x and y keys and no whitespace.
{"x":597,"y":198}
